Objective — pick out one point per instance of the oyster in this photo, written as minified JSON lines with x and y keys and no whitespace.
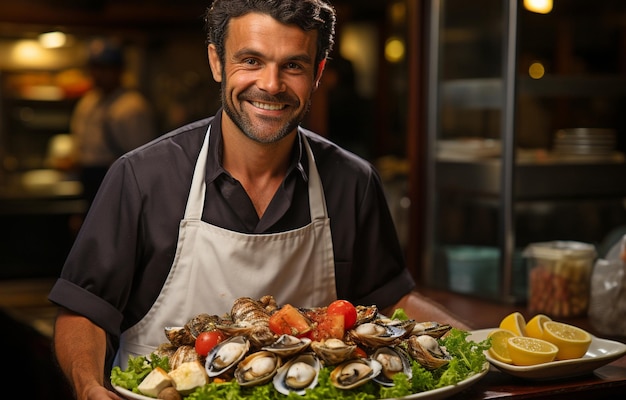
{"x":202,"y":323}
{"x":287,"y":345}
{"x":179,"y":336}
{"x":298,"y":374}
{"x":226,"y":355}
{"x":186,"y":335}
{"x":375,"y":335}
{"x":353,"y":373}
{"x":426,"y":350}
{"x":257,"y":368}
{"x":431,"y":328}
{"x":365,"y":314}
{"x":393,"y":360}
{"x":333,"y":351}
{"x":406,"y":325}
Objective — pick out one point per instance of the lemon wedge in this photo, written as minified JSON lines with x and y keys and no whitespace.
{"x":499,"y":349}
{"x":515,"y":323}
{"x":572,"y":341}
{"x":534,"y":327}
{"x":526,"y":351}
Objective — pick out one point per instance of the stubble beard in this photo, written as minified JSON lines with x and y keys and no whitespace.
{"x":245,"y":125}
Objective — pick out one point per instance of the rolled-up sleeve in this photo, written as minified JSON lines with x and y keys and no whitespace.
{"x":97,"y":277}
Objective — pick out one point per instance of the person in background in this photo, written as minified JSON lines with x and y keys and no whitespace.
{"x":243,"y":204}
{"x":110,"y":119}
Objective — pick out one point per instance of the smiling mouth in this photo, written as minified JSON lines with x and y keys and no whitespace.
{"x":269,"y":106}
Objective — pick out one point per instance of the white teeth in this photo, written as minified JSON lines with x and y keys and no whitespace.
{"x":266,"y":106}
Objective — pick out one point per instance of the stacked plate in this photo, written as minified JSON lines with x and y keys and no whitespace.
{"x":585,"y":141}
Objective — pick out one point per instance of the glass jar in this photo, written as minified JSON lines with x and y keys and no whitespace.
{"x":559,"y":278}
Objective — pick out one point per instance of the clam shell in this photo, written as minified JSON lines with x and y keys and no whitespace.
{"x":225,"y":355}
{"x":354,"y":373}
{"x":182,"y":355}
{"x":288,"y":345}
{"x":393,"y":360}
{"x":257,"y":368}
{"x":298,"y":374}
{"x":259,"y":335}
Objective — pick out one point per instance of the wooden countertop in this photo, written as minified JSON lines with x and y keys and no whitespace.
{"x":607,"y":382}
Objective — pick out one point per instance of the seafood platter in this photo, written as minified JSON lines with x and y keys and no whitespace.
{"x":255,"y":350}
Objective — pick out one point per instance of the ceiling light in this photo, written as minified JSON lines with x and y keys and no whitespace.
{"x":538,"y":6}
{"x":52,"y":40}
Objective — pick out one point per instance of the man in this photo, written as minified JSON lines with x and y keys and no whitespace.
{"x":110,"y":119}
{"x":242,"y":204}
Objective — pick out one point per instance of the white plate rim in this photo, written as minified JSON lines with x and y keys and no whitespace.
{"x":434,"y":394}
{"x":601,"y":352}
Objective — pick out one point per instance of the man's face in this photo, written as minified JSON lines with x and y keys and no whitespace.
{"x":268,"y":75}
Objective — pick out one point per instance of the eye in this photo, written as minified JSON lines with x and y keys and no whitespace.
{"x":250,"y":61}
{"x":293,"y":65}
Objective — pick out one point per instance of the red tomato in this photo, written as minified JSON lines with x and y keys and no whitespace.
{"x":207,"y":340}
{"x":289,"y":320}
{"x":345,"y":308}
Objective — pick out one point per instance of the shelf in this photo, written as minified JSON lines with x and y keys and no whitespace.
{"x":574,"y":86}
{"x":535,"y":181}
{"x":508,"y":197}
{"x":487,"y":93}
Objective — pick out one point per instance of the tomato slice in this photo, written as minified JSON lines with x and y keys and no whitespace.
{"x":289,"y":320}
{"x":328,"y":326}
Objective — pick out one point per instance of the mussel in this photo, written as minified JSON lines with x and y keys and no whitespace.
{"x":393,"y":360}
{"x":298,"y":374}
{"x":354,"y":373}
{"x":226,"y":355}
{"x":288,"y":345}
{"x":257,"y":368}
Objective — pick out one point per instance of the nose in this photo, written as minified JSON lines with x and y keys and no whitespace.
{"x":270,"y":79}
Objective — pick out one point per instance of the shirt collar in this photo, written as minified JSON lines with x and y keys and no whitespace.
{"x":299,"y":161}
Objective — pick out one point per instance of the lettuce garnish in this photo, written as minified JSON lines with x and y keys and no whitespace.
{"x":138,"y":368}
{"x":468,"y":359}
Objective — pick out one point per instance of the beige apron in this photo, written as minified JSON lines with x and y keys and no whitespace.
{"x":214,"y":266}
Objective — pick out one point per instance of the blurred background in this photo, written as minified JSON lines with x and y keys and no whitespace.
{"x":495,"y":124}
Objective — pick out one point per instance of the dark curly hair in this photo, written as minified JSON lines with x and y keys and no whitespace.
{"x":307,"y":14}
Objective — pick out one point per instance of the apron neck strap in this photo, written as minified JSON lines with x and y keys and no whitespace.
{"x":195,"y":200}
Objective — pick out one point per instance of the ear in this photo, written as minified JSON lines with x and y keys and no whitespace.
{"x":320,"y":71}
{"x":215,"y":63}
